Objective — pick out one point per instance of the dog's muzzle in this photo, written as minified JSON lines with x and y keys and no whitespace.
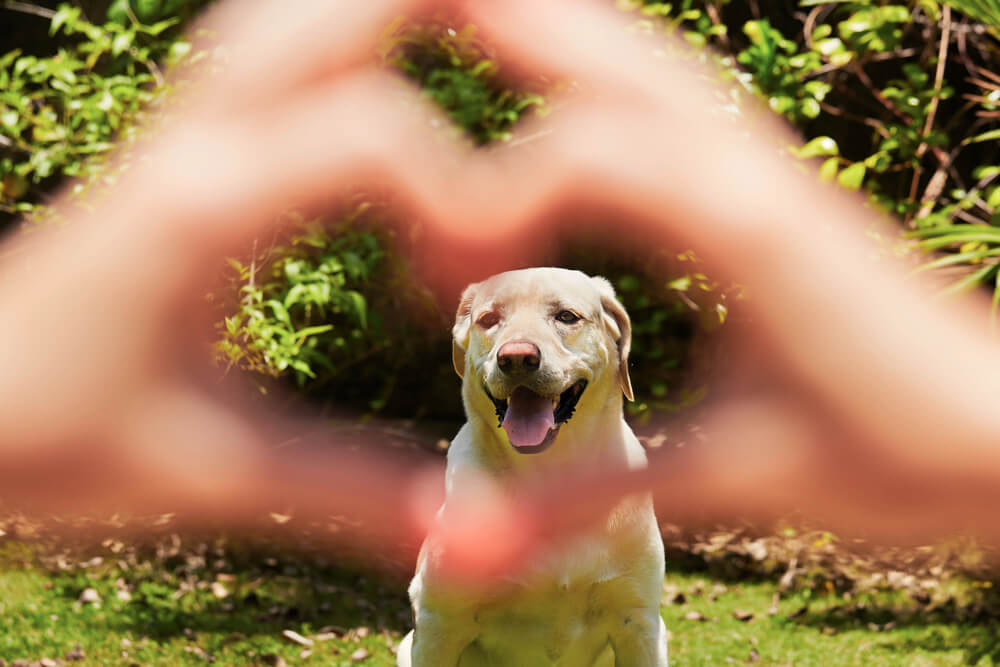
{"x":532,"y":420}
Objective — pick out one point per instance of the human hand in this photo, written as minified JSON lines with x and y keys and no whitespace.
{"x":109,"y":400}
{"x":859,"y":402}
{"x":813,"y":428}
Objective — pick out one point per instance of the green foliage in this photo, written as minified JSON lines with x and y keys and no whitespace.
{"x":60,"y":114}
{"x":453,"y":69}
{"x":874,"y":28}
{"x":151,"y":11}
{"x":675,"y":308}
{"x":300,"y":304}
{"x":986,"y":12}
{"x":894,"y":100}
{"x":779,"y":71}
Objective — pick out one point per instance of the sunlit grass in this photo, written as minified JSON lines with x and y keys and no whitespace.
{"x":234,"y":611}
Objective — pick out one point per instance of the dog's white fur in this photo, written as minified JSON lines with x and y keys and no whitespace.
{"x":594,"y":600}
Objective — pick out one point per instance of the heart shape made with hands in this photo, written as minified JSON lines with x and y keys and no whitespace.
{"x":299,"y":116}
{"x":301,"y":95}
{"x":328,"y":121}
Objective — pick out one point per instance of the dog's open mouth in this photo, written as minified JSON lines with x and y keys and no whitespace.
{"x":532,"y":420}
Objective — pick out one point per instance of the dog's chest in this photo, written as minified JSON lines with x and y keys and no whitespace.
{"x":565,"y":624}
{"x":559,"y":615}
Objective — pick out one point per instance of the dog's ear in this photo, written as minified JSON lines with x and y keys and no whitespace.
{"x":618,"y":324}
{"x":460,"y":332}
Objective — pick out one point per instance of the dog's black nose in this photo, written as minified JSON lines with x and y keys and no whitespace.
{"x":519,"y":356}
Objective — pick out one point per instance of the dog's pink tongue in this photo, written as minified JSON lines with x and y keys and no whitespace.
{"x":528,"y":419}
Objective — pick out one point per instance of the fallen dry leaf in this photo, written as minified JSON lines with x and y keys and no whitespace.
{"x":360,"y":655}
{"x":296,"y":638}
{"x":90,"y":596}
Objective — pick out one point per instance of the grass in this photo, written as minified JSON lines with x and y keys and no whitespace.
{"x":176,"y":602}
{"x":807,"y":629}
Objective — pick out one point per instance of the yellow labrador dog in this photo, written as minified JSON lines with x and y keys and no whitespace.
{"x":543,"y":356}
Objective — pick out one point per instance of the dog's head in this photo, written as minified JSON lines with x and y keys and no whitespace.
{"x":530,"y":344}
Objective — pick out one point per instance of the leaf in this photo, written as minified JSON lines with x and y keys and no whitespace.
{"x":296,"y":638}
{"x":280,"y":312}
{"x":681,"y":284}
{"x":972,"y":233}
{"x":295,"y":294}
{"x":828,"y":171}
{"x":985,"y":136}
{"x":985,"y":171}
{"x":121,"y":43}
{"x":302,"y":334}
{"x":360,"y":307}
{"x":931,"y":8}
{"x":107,"y":102}
{"x":820,"y":146}
{"x":852,"y":176}
{"x":160,"y":26}
{"x":65,"y":15}
{"x":993,"y":201}
{"x":956,"y":258}
{"x":810,"y":108}
{"x":830,"y":46}
{"x":895,"y":14}
{"x":8,"y":58}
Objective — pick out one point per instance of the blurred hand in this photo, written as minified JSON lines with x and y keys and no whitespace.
{"x":107,"y":396}
{"x":859,"y":402}
{"x":845,"y":415}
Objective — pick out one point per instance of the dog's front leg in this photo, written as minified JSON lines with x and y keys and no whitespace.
{"x":640,"y":640}
{"x":439,"y":642}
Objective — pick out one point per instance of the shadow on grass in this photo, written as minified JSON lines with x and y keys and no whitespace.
{"x":977,"y":642}
{"x":237,"y":593}
{"x":971,"y":626}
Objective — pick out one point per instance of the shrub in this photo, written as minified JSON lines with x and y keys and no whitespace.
{"x":60,"y":114}
{"x":898,"y":98}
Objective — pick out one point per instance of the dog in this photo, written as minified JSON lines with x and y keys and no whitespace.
{"x":543,"y":354}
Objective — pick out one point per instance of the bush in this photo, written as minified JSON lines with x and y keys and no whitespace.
{"x":897,"y":99}
{"x":60,"y":114}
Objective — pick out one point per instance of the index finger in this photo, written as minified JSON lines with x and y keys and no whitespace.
{"x":278,"y":45}
{"x":594,"y":47}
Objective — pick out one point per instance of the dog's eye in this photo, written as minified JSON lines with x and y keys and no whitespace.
{"x":489,"y":319}
{"x":567,"y":317}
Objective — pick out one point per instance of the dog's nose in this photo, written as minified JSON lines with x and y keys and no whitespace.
{"x":519,"y":356}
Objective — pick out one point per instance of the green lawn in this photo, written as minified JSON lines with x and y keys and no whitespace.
{"x":828,"y":630}
{"x":201,"y":602}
